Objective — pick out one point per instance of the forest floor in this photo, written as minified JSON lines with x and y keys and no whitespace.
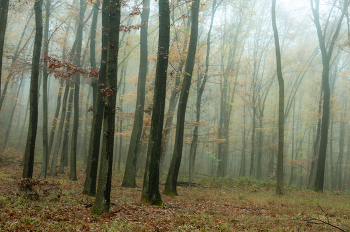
{"x":211,"y":205}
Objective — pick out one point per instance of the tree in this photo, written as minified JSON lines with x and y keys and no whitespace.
{"x":201,"y":85}
{"x":94,"y":146}
{"x":45,"y":104}
{"x":326,"y":51}
{"x":280,"y":173}
{"x":76,"y":60}
{"x":4,"y":6}
{"x":34,"y":88}
{"x":150,"y":190}
{"x":170,"y":185}
{"x":130,"y":166}
{"x":102,"y":202}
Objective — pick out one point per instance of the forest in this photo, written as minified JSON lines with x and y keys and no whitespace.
{"x":174,"y":115}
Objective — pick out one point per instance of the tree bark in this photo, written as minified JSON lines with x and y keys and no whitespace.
{"x":46,"y":153}
{"x":150,"y":190}
{"x":131,"y":161}
{"x":102,"y":202}
{"x":280,"y":174}
{"x":4,"y":6}
{"x":53,"y":170}
{"x":95,"y":137}
{"x":34,"y":88}
{"x":76,"y":60}
{"x":170,"y":185}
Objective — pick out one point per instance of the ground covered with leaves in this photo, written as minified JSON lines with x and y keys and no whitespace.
{"x":56,"y":204}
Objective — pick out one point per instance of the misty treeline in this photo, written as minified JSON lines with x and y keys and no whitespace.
{"x":94,"y":86}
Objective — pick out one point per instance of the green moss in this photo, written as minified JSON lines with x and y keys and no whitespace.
{"x":169,"y":192}
{"x":85,"y":192}
{"x":95,"y":210}
{"x":145,"y":199}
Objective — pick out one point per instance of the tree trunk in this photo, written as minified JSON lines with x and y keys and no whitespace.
{"x":170,"y":185}
{"x":34,"y":88}
{"x":131,"y":161}
{"x":94,"y":147}
{"x":55,"y":120}
{"x":12,"y":113}
{"x":53,"y":170}
{"x":326,"y":57}
{"x":200,"y":90}
{"x":280,"y":174}
{"x":150,"y":190}
{"x":4,"y":6}
{"x":103,"y":194}
{"x":45,"y":157}
{"x":76,"y":60}
{"x":64,"y":152}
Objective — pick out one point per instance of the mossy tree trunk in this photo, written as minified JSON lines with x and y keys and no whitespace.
{"x":170,"y":185}
{"x":131,"y":161}
{"x":34,"y":89}
{"x":150,"y":191}
{"x":103,"y":194}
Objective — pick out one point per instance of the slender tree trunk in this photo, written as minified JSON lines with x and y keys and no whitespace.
{"x":55,"y":120}
{"x":243,"y":159}
{"x":77,"y":61}
{"x":280,"y":174}
{"x":46,"y":153}
{"x":102,"y":202}
{"x":326,"y":51}
{"x":150,"y":190}
{"x":33,"y":117}
{"x":64,"y":152}
{"x":4,"y":6}
{"x":170,"y":185}
{"x":131,"y":161}
{"x":53,"y":170}
{"x":12,"y":113}
{"x":94,"y":147}
{"x":201,"y":86}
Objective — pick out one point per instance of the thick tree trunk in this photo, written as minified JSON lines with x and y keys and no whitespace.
{"x":150,"y":190}
{"x":34,"y":88}
{"x":170,"y":185}
{"x":131,"y":161}
{"x":280,"y":174}
{"x":95,"y":137}
{"x":103,"y":194}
